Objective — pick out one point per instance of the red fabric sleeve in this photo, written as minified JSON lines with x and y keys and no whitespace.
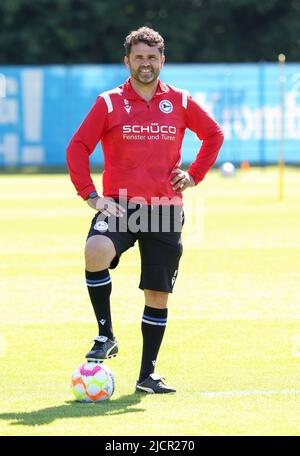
{"x":82,"y":146}
{"x":207,"y":131}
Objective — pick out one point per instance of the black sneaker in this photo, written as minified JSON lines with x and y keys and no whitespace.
{"x":103,"y":348}
{"x":154,"y":385}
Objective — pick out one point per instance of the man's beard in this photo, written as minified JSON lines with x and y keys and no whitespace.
{"x":145,"y":78}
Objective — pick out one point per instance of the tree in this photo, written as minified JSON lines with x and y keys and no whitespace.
{"x":93,"y":31}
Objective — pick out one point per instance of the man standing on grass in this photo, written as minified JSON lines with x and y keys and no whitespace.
{"x":141,"y":125}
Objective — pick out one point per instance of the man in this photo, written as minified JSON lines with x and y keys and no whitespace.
{"x":141,"y":125}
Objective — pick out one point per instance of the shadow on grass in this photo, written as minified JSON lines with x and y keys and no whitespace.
{"x":73,"y":409}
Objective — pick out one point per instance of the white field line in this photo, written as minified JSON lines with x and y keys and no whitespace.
{"x":212,"y":394}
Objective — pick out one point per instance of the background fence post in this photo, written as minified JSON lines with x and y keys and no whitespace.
{"x":261,"y":102}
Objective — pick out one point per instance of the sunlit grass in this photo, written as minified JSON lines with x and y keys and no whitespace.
{"x":233,"y":317}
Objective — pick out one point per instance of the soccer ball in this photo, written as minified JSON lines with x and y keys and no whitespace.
{"x":227,"y":169}
{"x":92,"y":382}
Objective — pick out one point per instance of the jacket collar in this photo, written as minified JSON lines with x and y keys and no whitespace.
{"x":130,"y":93}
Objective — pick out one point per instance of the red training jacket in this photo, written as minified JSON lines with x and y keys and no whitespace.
{"x":141,"y":142}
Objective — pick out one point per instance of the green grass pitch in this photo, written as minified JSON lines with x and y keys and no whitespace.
{"x":232,"y":343}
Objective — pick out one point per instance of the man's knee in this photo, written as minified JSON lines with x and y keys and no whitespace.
{"x":157,"y":299}
{"x":99,"y":253}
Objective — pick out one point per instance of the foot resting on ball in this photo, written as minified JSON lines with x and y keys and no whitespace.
{"x":103,"y":348}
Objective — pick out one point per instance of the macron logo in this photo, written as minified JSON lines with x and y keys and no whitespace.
{"x":127,"y":107}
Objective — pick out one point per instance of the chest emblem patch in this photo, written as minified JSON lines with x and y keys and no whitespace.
{"x":166,"y":106}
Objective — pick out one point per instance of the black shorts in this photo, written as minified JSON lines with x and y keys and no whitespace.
{"x":158,"y":232}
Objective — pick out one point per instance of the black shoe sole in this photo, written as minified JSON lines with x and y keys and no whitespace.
{"x":97,"y":360}
{"x":142,"y":391}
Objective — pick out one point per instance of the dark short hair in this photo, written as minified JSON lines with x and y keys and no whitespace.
{"x":144,"y":35}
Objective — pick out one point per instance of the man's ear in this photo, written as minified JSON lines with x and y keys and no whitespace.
{"x":126,"y":61}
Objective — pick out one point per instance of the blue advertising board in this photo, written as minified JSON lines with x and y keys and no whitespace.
{"x":42,"y":106}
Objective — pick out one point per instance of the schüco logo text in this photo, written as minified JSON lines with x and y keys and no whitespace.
{"x":153,"y":128}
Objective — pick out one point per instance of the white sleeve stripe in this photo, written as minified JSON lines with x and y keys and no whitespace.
{"x":107,"y":100}
{"x":184,"y":98}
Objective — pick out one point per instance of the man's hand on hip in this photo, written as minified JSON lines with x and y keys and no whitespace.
{"x":107,"y":206}
{"x":182,"y":180}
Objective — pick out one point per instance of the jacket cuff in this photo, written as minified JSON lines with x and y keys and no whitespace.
{"x":86,"y":191}
{"x":196,"y":179}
